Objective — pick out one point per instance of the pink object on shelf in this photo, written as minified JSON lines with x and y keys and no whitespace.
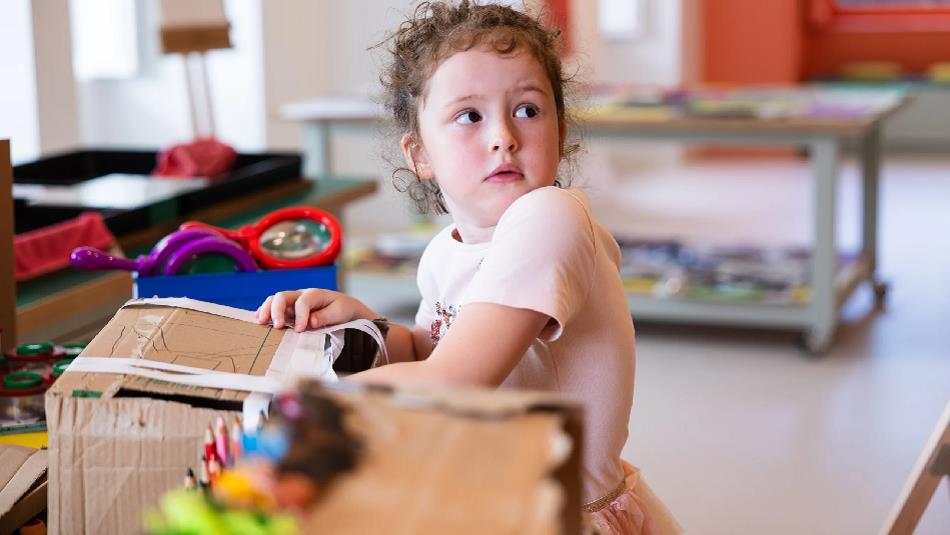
{"x":47,"y":249}
{"x":202,"y":157}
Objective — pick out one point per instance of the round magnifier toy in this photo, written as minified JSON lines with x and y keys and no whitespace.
{"x":181,"y":252}
{"x":289,"y":238}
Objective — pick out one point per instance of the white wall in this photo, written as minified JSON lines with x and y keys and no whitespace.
{"x":150,"y":110}
{"x":665,"y":53}
{"x":56,"y":107}
{"x":319,"y":48}
{"x":18,"y":120}
{"x":654,"y":57}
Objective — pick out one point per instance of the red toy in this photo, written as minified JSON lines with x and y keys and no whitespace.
{"x":283,"y":239}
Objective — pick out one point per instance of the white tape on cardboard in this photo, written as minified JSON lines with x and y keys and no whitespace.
{"x":306,"y":354}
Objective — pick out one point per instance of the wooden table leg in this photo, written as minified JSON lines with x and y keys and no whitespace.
{"x":7,"y":280}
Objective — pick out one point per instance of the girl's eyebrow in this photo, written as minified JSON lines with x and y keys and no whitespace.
{"x":527,"y":88}
{"x":455,"y":101}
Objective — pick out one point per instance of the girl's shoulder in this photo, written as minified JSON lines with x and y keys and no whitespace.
{"x":563,"y":200}
{"x":548,"y":209}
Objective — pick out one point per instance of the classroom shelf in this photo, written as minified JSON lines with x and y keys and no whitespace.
{"x":67,"y":302}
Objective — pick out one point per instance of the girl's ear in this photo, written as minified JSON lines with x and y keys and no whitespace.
{"x":416,"y":157}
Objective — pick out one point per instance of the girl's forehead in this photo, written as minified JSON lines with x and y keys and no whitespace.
{"x":486,"y":69}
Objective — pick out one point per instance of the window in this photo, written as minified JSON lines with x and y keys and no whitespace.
{"x":900,"y":4}
{"x":881,"y":15}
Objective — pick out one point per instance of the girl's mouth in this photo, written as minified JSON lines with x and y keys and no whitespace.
{"x":505,"y":173}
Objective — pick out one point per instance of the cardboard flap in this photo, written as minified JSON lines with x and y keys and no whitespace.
{"x":20,"y":468}
{"x":177,"y":336}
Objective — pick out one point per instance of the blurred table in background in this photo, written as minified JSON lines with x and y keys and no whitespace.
{"x":818,"y":120}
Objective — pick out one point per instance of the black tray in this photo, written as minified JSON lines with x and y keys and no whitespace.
{"x":251,"y":172}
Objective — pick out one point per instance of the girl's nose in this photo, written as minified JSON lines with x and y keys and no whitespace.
{"x":504,"y":139}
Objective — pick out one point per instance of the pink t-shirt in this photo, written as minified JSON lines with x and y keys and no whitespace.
{"x":549,"y":254}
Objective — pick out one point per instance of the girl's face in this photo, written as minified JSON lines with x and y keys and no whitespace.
{"x":490,"y":133}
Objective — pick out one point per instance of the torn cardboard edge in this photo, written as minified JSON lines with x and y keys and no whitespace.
{"x":20,"y":468}
{"x":513,"y":455}
{"x":22,"y":480}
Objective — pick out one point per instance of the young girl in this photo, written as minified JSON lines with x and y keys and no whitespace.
{"x":523,"y":290}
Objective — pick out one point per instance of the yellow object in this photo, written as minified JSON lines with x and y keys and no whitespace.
{"x":939,"y":72}
{"x":33,"y":440}
{"x":237,"y":487}
{"x":623,"y":114}
{"x":871,"y":71}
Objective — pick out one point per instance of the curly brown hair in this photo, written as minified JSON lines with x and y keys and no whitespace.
{"x":437,"y":30}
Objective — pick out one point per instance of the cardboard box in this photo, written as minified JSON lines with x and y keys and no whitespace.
{"x":119,"y":440}
{"x":454,"y":461}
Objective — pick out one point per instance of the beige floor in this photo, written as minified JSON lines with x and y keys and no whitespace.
{"x":738,"y":430}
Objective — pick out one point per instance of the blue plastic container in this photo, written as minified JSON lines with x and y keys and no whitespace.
{"x":239,"y":290}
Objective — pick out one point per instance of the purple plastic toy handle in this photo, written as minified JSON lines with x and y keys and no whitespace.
{"x":210,"y":245}
{"x":167,"y":246}
{"x":90,"y":259}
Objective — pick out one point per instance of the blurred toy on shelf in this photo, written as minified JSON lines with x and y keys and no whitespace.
{"x":394,"y":253}
{"x":673,"y":269}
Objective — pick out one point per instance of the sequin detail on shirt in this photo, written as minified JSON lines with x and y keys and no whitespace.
{"x":446,"y":315}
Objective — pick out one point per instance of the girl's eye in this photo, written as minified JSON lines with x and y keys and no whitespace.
{"x":468,"y":117}
{"x":526,"y":111}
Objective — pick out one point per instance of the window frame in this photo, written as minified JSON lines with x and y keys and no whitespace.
{"x":827,"y":15}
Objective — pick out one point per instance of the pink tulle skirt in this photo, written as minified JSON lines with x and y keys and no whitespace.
{"x":636,"y":511}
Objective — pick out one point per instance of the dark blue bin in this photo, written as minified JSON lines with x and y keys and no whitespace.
{"x":239,"y":290}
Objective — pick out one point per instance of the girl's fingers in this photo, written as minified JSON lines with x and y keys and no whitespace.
{"x":316,"y":318}
{"x":308,"y":300}
{"x":278,"y":307}
{"x":314,"y":305}
{"x":302,"y":309}
{"x":263,"y":311}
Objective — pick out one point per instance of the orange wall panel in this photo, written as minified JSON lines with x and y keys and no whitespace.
{"x":751,"y":41}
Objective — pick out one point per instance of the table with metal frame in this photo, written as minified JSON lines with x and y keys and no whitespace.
{"x":821,"y":136}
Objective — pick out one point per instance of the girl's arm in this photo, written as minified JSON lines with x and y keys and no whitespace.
{"x":315,"y":308}
{"x":482,"y":347}
{"x":407,"y":345}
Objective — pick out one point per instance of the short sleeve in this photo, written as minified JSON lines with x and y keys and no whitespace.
{"x":426,"y":286}
{"x":541,"y":258}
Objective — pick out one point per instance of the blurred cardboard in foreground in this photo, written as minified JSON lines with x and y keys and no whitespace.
{"x":454,"y":461}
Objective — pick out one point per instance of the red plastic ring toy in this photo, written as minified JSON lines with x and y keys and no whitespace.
{"x":249,"y":237}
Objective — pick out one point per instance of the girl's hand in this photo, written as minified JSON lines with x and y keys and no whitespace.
{"x":311,"y":308}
